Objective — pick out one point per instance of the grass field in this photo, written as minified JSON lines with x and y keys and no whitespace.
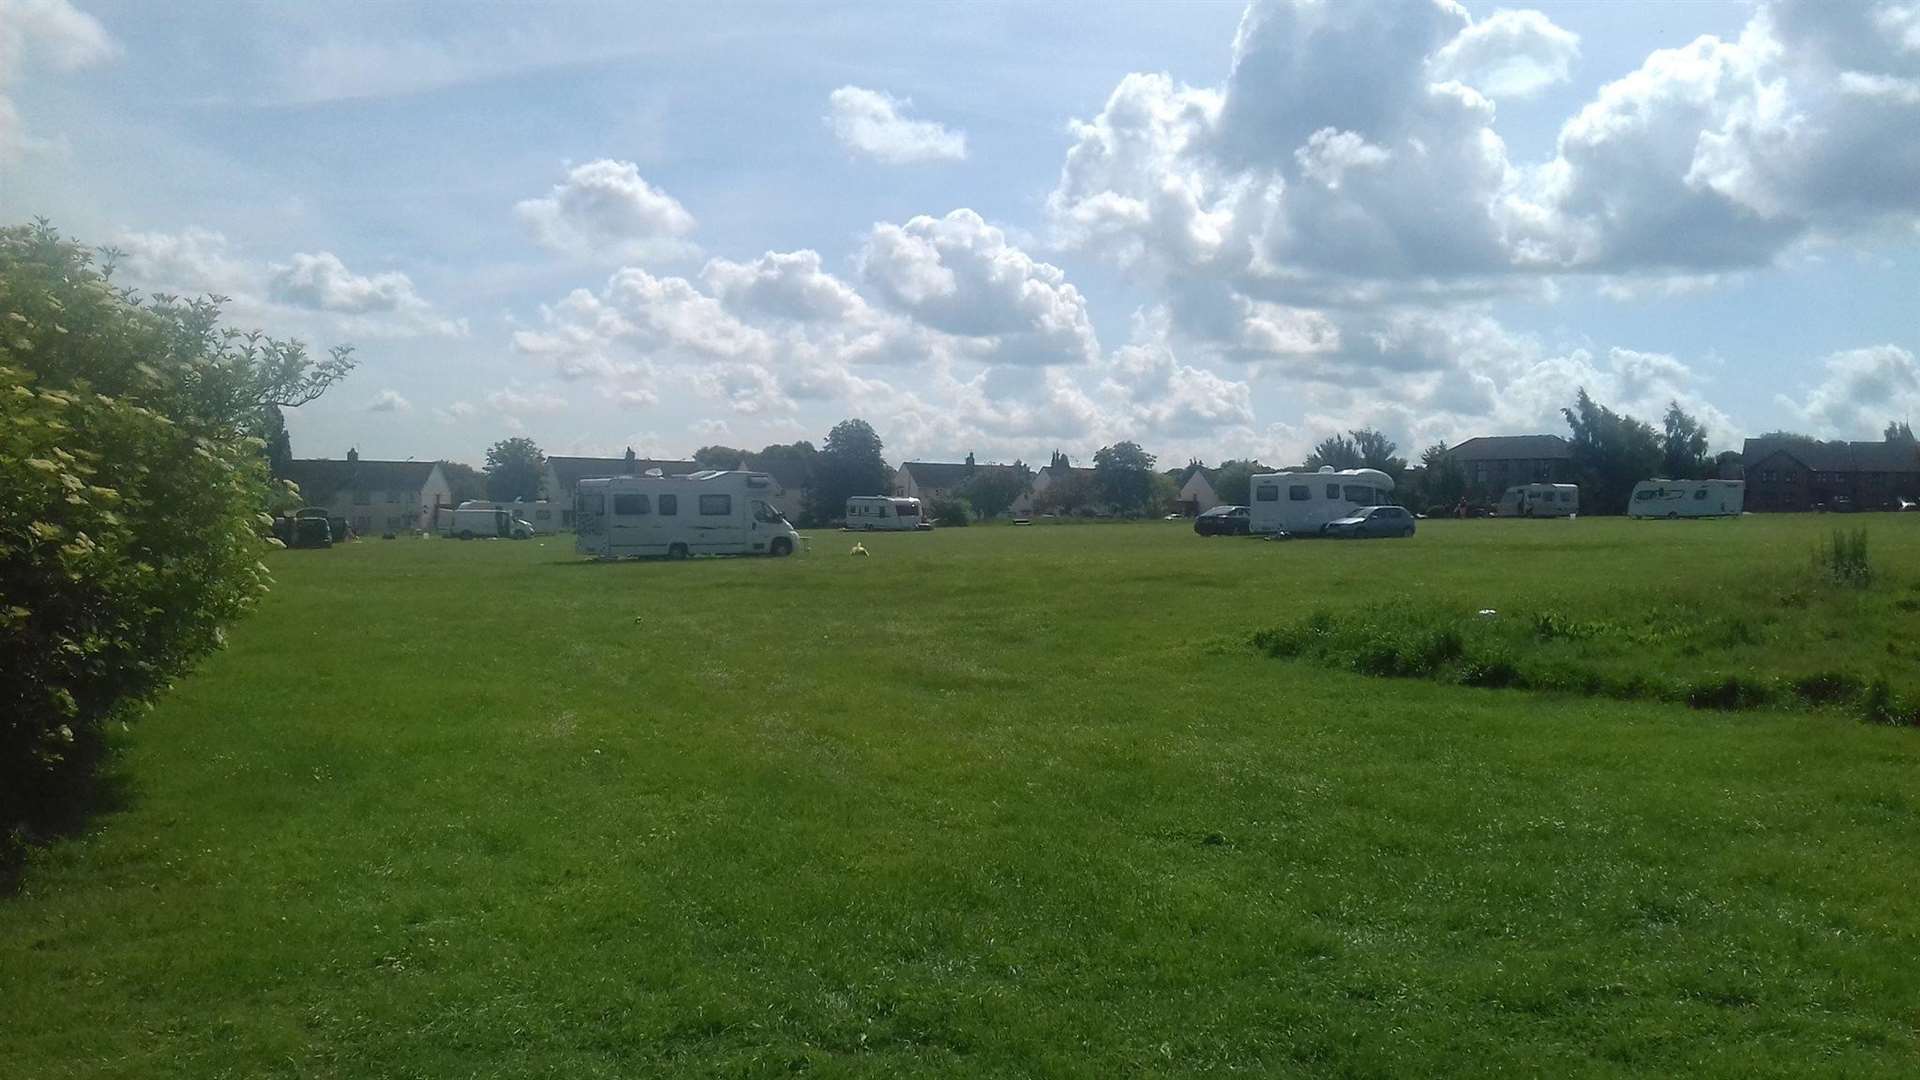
{"x":996,"y":801}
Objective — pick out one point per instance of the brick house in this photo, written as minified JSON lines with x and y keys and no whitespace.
{"x":1493,"y":463}
{"x":1801,"y":474}
{"x":374,"y":496}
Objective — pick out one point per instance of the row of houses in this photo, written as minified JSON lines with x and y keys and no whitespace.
{"x":1782,"y":474}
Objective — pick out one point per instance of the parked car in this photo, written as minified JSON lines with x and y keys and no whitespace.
{"x":1839,"y":504}
{"x":1373,"y":521}
{"x":1222,"y":521}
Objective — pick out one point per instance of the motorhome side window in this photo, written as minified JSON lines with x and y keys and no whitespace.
{"x":669,"y":505}
{"x":632,"y":505}
{"x":1358,"y":494}
{"x":1267,"y":493}
{"x":593,"y":504}
{"x":716,"y":505}
{"x":1299,"y":493}
{"x":1701,"y":494}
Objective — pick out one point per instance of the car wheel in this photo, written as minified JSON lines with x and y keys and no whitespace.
{"x":678,"y":551}
{"x":466,"y":534}
{"x":1673,"y":515}
{"x":781,"y":547}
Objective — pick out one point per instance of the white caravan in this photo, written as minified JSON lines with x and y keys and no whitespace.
{"x":1303,"y":502}
{"x":868,"y":513}
{"x":469,"y":522}
{"x":1539,"y":500}
{"x":1687,"y":498}
{"x":703,"y":513}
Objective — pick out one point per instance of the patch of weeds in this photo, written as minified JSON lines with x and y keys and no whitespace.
{"x":1827,"y":688}
{"x":1880,"y":705}
{"x":1492,"y":671}
{"x":1907,"y":603}
{"x":1843,"y":559}
{"x":1728,"y":693}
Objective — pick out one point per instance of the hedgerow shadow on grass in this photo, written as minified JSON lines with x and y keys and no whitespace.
{"x":1673,"y":653}
{"x":105,"y":787}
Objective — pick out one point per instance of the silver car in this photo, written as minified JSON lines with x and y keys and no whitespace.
{"x":1373,"y":521}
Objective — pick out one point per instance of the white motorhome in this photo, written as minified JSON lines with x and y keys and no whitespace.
{"x":869,"y":513}
{"x":703,"y":513}
{"x":471,"y":522}
{"x":540,"y":514}
{"x":1539,"y":500}
{"x":1303,"y":502}
{"x":1687,"y":498}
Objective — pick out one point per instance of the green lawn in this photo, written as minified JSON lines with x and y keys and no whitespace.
{"x":993,"y":801}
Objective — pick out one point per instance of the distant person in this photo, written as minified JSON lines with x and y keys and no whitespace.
{"x":1460,"y":508}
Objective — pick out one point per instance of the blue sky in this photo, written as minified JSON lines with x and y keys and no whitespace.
{"x":1217,"y":229}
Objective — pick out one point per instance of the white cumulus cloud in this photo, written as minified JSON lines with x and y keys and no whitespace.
{"x":874,"y":124}
{"x":607,"y":207}
{"x":389,"y":401}
{"x":46,"y":33}
{"x":1512,"y":54}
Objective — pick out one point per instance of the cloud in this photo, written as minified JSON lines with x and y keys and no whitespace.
{"x":53,"y":34}
{"x":309,"y":291}
{"x":873,"y":124}
{"x":1513,"y":54}
{"x":389,"y":401}
{"x":1861,"y":390}
{"x":606,"y":207}
{"x":959,"y":275}
{"x":513,"y":401}
{"x":459,"y":410}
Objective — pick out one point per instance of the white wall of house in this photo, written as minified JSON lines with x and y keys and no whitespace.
{"x":1198,"y":490}
{"x":392,"y":510}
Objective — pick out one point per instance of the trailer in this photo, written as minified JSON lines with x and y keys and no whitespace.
{"x":884,"y":513}
{"x":713,"y":512}
{"x":1539,"y":501}
{"x":1301,"y":503}
{"x":1687,"y":498}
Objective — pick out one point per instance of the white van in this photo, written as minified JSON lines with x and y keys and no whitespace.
{"x":471,"y":522}
{"x":540,"y":515}
{"x":1687,"y":498}
{"x":868,"y":513}
{"x":703,"y":513}
{"x":1539,"y":500}
{"x":1303,"y":502}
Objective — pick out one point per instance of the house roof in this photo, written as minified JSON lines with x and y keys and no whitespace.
{"x":1837,"y":456}
{"x":1057,"y":472}
{"x":945,"y":476}
{"x":788,"y":473}
{"x":321,"y":478}
{"x":1512,"y":448}
{"x":571,"y":470}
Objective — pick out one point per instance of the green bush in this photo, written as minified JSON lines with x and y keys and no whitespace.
{"x":949,"y":512}
{"x":131,"y":485}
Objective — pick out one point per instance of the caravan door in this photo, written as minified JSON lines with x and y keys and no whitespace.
{"x":632,"y":526}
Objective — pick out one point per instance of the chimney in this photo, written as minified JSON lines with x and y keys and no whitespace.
{"x":353,"y":454}
{"x":969,"y":461}
{"x":628,"y":469}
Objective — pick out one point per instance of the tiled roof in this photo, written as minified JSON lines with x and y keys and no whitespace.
{"x":321,"y":478}
{"x":1836,"y":456}
{"x":946,"y":476}
{"x":571,"y":470}
{"x":1512,"y":448}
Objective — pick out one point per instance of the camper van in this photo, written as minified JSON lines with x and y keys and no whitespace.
{"x":1539,"y":500}
{"x":1302,"y":503}
{"x":703,"y":513}
{"x":868,"y":513}
{"x":1687,"y":498}
{"x":470,"y":522}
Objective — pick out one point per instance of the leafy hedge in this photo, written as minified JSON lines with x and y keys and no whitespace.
{"x":131,"y":484}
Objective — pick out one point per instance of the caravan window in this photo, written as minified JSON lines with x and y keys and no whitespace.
{"x":593,"y":504}
{"x":630,"y":505}
{"x":1701,"y":494}
{"x":1357,"y":493}
{"x":669,"y":505}
{"x":1643,"y":495}
{"x":1299,"y":493}
{"x":716,"y":505}
{"x":1267,"y":493}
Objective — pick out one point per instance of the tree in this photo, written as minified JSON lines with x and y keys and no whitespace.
{"x":1233,"y":481}
{"x":1070,"y":493}
{"x":1611,"y":453}
{"x":273,"y":429}
{"x":1730,"y":465}
{"x":1377,"y":452}
{"x":993,"y":491}
{"x":1338,"y":451}
{"x":1123,"y":475}
{"x":1443,"y":483}
{"x":721,"y":457}
{"x":848,"y":464}
{"x":1683,"y":445}
{"x":516,"y":469}
{"x":466,"y":481}
{"x":133,"y":465}
{"x":1163,"y":494}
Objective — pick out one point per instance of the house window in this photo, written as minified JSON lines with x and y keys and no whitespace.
{"x":716,"y":505}
{"x":630,"y":505}
{"x":1267,"y":493}
{"x":1299,"y":493}
{"x":669,"y":505}
{"x":361,"y":498}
